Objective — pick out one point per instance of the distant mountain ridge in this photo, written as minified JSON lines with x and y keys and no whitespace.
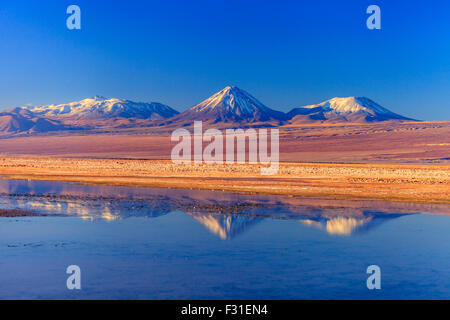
{"x":17,"y":121}
{"x":349,"y":109}
{"x":101,"y":107}
{"x":231,"y":105}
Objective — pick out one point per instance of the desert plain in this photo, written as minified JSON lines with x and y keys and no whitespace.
{"x":406,"y":162}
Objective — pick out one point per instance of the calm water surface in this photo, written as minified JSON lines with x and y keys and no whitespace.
{"x":144,"y":243}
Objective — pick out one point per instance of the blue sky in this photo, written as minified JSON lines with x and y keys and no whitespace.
{"x":285,"y":53}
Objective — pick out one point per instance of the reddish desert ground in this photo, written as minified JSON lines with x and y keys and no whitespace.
{"x":383,"y":161}
{"x":410,"y":142}
{"x":413,"y":183}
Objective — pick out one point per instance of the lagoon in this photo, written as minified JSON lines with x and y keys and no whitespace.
{"x":149,"y":243}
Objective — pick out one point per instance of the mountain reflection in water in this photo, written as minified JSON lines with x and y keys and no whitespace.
{"x":346,"y":226}
{"x":222,"y":213}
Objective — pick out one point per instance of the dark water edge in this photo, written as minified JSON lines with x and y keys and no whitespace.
{"x":149,"y":243}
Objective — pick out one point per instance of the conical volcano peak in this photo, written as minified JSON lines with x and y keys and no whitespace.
{"x":229,"y":88}
{"x":231,"y":99}
{"x":232,"y":104}
{"x":233,"y":90}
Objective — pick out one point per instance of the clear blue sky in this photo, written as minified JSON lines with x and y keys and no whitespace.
{"x":285,"y":53}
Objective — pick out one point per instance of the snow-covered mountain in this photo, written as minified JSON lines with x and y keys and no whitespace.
{"x":92,"y":113}
{"x":100,"y":108}
{"x":350,"y":109}
{"x":231,"y":104}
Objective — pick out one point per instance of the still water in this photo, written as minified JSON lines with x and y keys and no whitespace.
{"x":148,"y":243}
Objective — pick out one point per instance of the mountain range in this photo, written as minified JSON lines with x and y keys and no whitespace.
{"x":100,"y":108}
{"x":231,"y":105}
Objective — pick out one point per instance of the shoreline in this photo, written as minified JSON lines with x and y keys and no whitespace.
{"x":379,"y":182}
{"x":14,"y":213}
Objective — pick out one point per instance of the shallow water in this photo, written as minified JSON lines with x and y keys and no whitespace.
{"x":148,"y":243}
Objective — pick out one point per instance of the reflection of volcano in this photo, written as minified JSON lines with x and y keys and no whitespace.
{"x":226,"y":226}
{"x":341,"y":225}
{"x":224,"y":214}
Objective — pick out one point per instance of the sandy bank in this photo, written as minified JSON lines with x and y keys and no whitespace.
{"x":412,"y":183}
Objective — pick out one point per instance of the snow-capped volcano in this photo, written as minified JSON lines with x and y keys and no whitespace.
{"x":349,"y":109}
{"x":231,"y":104}
{"x":99,"y":107}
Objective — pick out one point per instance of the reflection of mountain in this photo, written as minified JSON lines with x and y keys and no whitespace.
{"x":225,"y":214}
{"x":84,"y":209}
{"x":226,"y":226}
{"x":342,"y":225}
